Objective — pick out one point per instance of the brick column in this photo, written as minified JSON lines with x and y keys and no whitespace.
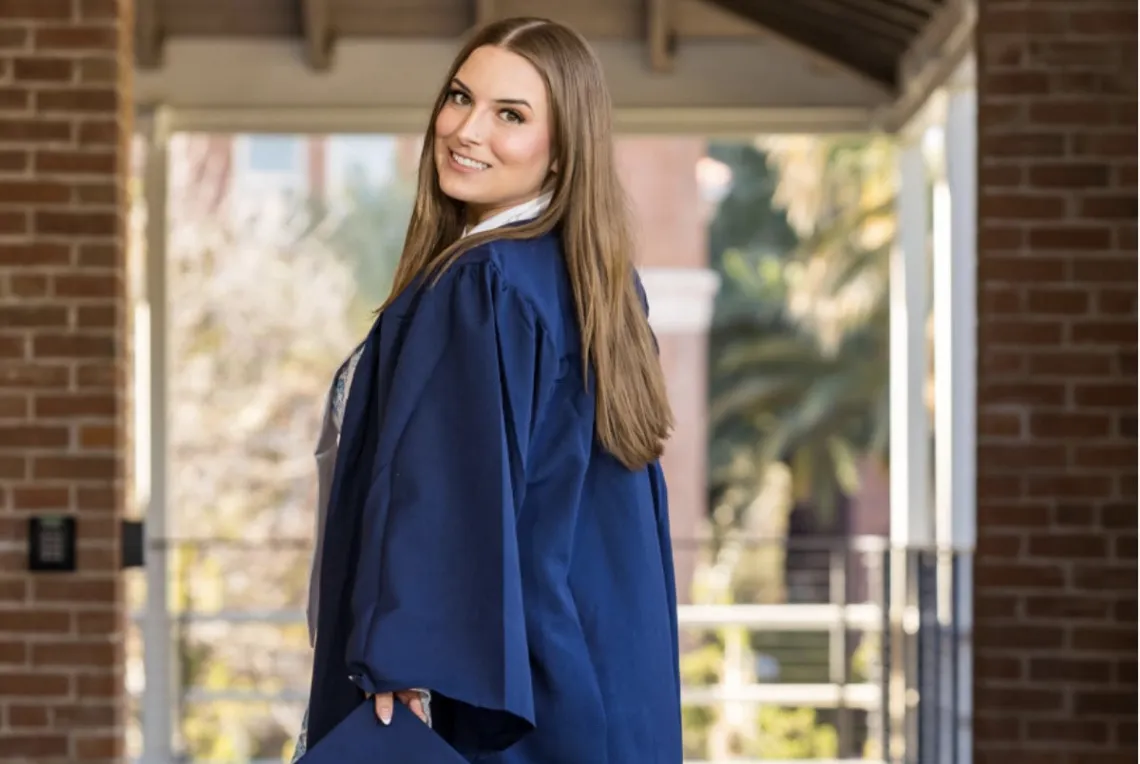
{"x":1055,"y":584}
{"x":65,"y":115}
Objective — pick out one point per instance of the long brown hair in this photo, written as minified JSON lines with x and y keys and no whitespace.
{"x":632,"y":418}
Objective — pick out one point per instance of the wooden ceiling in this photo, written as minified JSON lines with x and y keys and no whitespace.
{"x":869,"y":37}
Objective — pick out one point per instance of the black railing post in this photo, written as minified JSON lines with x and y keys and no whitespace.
{"x":930,"y":658}
{"x":911,"y":677}
{"x":885,"y":654}
{"x":955,"y":668}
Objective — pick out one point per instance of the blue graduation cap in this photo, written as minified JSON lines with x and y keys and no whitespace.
{"x":361,"y":739}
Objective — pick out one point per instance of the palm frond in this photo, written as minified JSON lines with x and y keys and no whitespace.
{"x":858,"y":263}
{"x":844,"y":459}
{"x":752,"y":398}
{"x":833,"y":237}
{"x":770,"y":354}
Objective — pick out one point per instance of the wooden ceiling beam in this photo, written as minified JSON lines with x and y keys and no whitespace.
{"x":834,"y":15}
{"x":904,"y":19}
{"x":924,"y":6}
{"x":316,"y":26}
{"x":482,"y":13}
{"x":805,"y":33}
{"x":148,"y":34}
{"x":660,"y":34}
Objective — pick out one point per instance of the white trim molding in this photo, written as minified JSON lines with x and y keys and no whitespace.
{"x":722,"y":122}
{"x":681,"y":300}
{"x":935,"y":58}
{"x":955,"y":327}
{"x":912,"y":515}
{"x":160,"y":704}
{"x":955,"y":397}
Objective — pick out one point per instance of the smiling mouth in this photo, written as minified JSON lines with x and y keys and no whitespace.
{"x":470,"y":164}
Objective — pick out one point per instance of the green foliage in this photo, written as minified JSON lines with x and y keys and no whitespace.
{"x":748,"y":237}
{"x":371,"y":234}
{"x":792,"y":733}
{"x":264,"y":307}
{"x":365,"y":228}
{"x":775,"y":732}
{"x":798,"y":381}
{"x":700,"y":666}
{"x":799,"y":355}
{"x":864,"y":659}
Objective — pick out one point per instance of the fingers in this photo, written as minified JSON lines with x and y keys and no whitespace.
{"x":383,"y":702}
{"x":384,"y":705}
{"x":412,"y":700}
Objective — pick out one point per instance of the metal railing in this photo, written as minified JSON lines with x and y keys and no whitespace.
{"x":906,"y":705}
{"x":928,"y":658}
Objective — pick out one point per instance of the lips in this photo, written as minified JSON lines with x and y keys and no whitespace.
{"x":467,"y":162}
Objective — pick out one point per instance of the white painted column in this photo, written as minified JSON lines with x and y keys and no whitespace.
{"x":955,"y":366}
{"x":910,"y":487}
{"x":159,"y":698}
{"x":911,"y":516}
{"x":681,"y":300}
{"x":955,"y":326}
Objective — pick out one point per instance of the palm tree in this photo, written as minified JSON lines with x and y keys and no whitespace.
{"x":802,"y":378}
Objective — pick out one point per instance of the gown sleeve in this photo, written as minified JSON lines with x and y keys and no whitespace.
{"x":665,"y":540}
{"x":438,"y":599}
{"x":664,"y":534}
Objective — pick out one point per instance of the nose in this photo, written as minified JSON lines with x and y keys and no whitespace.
{"x":471,"y":131}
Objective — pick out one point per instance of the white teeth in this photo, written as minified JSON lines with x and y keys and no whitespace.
{"x":469,"y":162}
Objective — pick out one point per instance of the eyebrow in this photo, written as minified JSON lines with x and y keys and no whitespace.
{"x":511,"y":101}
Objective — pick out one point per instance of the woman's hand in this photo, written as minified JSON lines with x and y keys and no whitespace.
{"x":384,"y":703}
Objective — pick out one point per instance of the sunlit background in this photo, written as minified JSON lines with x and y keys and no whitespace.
{"x":890,"y":252}
{"x":279,"y":248}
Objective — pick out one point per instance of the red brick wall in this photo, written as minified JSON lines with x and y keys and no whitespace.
{"x":1056,"y":559}
{"x":64,"y":122}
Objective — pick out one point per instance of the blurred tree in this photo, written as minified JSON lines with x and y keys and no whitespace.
{"x":760,"y":359}
{"x":800,"y":361}
{"x":748,"y":241}
{"x":788,"y":734}
{"x":258,"y":322}
{"x":805,"y":374}
{"x":366,"y":229}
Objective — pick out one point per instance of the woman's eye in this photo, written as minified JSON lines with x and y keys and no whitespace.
{"x":459,"y":98}
{"x":512,"y":116}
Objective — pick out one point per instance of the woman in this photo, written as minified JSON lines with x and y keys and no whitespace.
{"x":497,"y":531}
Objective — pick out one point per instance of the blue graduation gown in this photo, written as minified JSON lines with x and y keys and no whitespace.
{"x":481,"y":544}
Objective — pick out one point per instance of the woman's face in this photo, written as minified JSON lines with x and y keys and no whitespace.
{"x":492,"y":136}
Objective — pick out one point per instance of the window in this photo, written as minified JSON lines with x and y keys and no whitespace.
{"x":274,"y":154}
{"x":266,"y":163}
{"x":359,"y":159}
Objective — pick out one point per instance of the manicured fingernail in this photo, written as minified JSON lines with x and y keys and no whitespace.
{"x":386,"y":716}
